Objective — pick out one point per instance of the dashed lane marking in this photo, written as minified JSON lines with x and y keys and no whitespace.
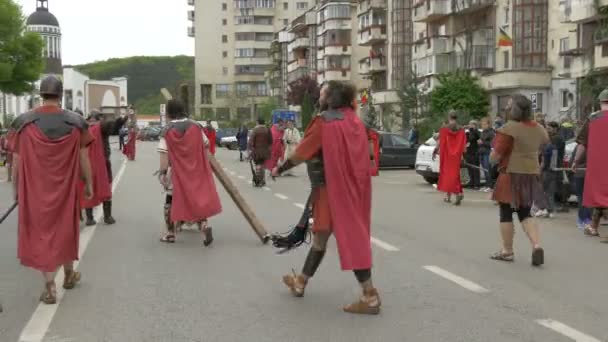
{"x":467,"y":284}
{"x":384,"y":245}
{"x":299,"y":205}
{"x":281,"y":196}
{"x":232,"y":173}
{"x":567,"y":331}
{"x":267,"y":188}
{"x":38,"y":325}
{"x":242,"y":177}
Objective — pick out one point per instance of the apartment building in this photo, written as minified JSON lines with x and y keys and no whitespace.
{"x":233,"y":51}
{"x":550,"y":46}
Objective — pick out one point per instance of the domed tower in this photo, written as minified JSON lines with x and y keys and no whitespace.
{"x":45,"y":23}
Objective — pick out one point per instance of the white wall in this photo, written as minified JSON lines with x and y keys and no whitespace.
{"x":75,"y":81}
{"x":122,"y":82}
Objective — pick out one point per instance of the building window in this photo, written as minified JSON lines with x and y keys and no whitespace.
{"x":564,"y":44}
{"x":604,"y":50}
{"x":302,"y":5}
{"x":286,"y":5}
{"x":224,"y":6}
{"x":262,"y":20}
{"x":243,"y":113}
{"x":243,"y":36}
{"x":242,"y":89}
{"x":285,"y":22}
{"x":224,"y":38}
{"x":224,"y":70}
{"x":567,"y":62}
{"x":530,"y":34}
{"x":240,"y":53}
{"x":266,"y":36}
{"x":565,"y":94}
{"x":206,"y":94}
{"x":250,"y":69}
{"x":222,"y":90}
{"x":505,"y":56}
{"x":260,"y":89}
{"x":507,"y":15}
{"x":224,"y":22}
{"x":243,"y":20}
{"x":224,"y":54}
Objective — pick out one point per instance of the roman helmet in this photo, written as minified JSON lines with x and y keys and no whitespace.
{"x":603,"y":97}
{"x":51,"y":86}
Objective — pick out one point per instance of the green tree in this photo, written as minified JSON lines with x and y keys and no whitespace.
{"x":371,"y":117}
{"x":461,"y":92}
{"x":21,"y":60}
{"x":307,"y":110}
{"x":265,"y":108}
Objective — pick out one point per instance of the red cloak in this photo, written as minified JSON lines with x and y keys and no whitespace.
{"x":211,"y":135}
{"x":102,"y":187}
{"x":195,"y":196}
{"x":595,"y":194}
{"x":278,"y":150}
{"x":129,"y":148}
{"x":451,"y":147}
{"x":48,"y":198}
{"x":349,"y":188}
{"x":374,"y":138}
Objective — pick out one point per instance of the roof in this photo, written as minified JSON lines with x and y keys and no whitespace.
{"x":42,"y":16}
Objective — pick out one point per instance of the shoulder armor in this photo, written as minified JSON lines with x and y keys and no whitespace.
{"x":23,"y":119}
{"x":596,"y":115}
{"x":332,"y":115}
{"x":73,"y":119}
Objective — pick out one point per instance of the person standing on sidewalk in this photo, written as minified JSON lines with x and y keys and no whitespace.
{"x":552,"y":157}
{"x":50,"y":146}
{"x":583,"y":220}
{"x":518,"y":187}
{"x":593,"y":140}
{"x":291,"y":139}
{"x":471,"y":155}
{"x":241,"y":138}
{"x":485,"y":148}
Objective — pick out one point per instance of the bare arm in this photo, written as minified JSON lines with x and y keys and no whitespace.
{"x":164,"y":161}
{"x":85,"y":170}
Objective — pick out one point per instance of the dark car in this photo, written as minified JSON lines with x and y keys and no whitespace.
{"x":149,"y":134}
{"x":396,"y":151}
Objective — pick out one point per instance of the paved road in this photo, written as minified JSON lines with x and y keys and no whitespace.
{"x":431,"y":265}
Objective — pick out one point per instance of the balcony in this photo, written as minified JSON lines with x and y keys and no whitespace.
{"x":191,"y":15}
{"x":584,"y":11}
{"x":430,"y":10}
{"x":372,"y":35}
{"x":334,"y":51}
{"x":600,"y":62}
{"x":190,"y":31}
{"x":601,"y":36}
{"x":433,"y":65}
{"x":469,"y":6}
{"x":367,"y":5}
{"x":516,"y":79}
{"x":333,"y":75}
{"x":299,"y":63}
{"x":190,"y":2}
{"x":299,"y":44}
{"x":252,"y":61}
{"x":297,"y":74}
{"x":371,"y":65}
{"x":479,"y":58}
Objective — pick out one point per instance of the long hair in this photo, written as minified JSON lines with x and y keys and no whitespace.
{"x":175,"y":109}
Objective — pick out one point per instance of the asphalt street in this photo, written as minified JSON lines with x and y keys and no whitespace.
{"x":431,"y":267}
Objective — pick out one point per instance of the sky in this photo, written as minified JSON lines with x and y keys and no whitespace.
{"x":95,"y":30}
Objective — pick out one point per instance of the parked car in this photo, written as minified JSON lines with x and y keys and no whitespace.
{"x":226,"y":137}
{"x":396,"y":151}
{"x":149,"y":134}
{"x":429,"y":168}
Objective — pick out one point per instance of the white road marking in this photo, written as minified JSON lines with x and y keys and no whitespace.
{"x":39,"y":323}
{"x":384,"y":245}
{"x":232,"y":173}
{"x":281,"y":196}
{"x":267,"y":188}
{"x":241,"y":177}
{"x":467,"y":284}
{"x":249,"y":182}
{"x":225,"y":168}
{"x":565,"y":330}
{"x":299,"y":205}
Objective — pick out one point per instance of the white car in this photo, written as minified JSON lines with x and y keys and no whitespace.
{"x":229,"y":142}
{"x":429,"y":168}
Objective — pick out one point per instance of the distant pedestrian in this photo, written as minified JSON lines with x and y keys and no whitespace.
{"x":593,"y":140}
{"x":211,"y":135}
{"x":241,"y":138}
{"x":472,"y":154}
{"x":291,"y":139}
{"x":485,"y":147}
{"x":451,"y":147}
{"x":122,"y":134}
{"x":518,"y":187}
{"x":583,"y":220}
{"x":552,"y":158}
{"x":278,"y":149}
{"x":260,"y":148}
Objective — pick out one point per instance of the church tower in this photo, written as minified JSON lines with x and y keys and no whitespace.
{"x":44,"y":22}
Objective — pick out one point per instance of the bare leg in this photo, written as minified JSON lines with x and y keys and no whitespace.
{"x":71,"y":277}
{"x":507,"y":232}
{"x":49,"y":295}
{"x":531,"y":229}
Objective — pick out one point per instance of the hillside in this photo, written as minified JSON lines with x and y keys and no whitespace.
{"x":147,"y":75}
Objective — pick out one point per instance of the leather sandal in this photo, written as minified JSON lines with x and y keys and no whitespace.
{"x":49,"y":295}
{"x":363,"y":307}
{"x":502,"y":256}
{"x":71,"y":279}
{"x":295,"y":283}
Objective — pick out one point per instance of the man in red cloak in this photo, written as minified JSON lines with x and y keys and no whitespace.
{"x":593,"y":140}
{"x":192,"y":195}
{"x":278,"y":149}
{"x":336,"y":149}
{"x":129,"y":148}
{"x":451,"y":147}
{"x":50,"y":146}
{"x":211,"y":135}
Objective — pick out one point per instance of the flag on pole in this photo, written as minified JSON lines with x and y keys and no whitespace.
{"x":364,"y":97}
{"x":504,"y":39}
